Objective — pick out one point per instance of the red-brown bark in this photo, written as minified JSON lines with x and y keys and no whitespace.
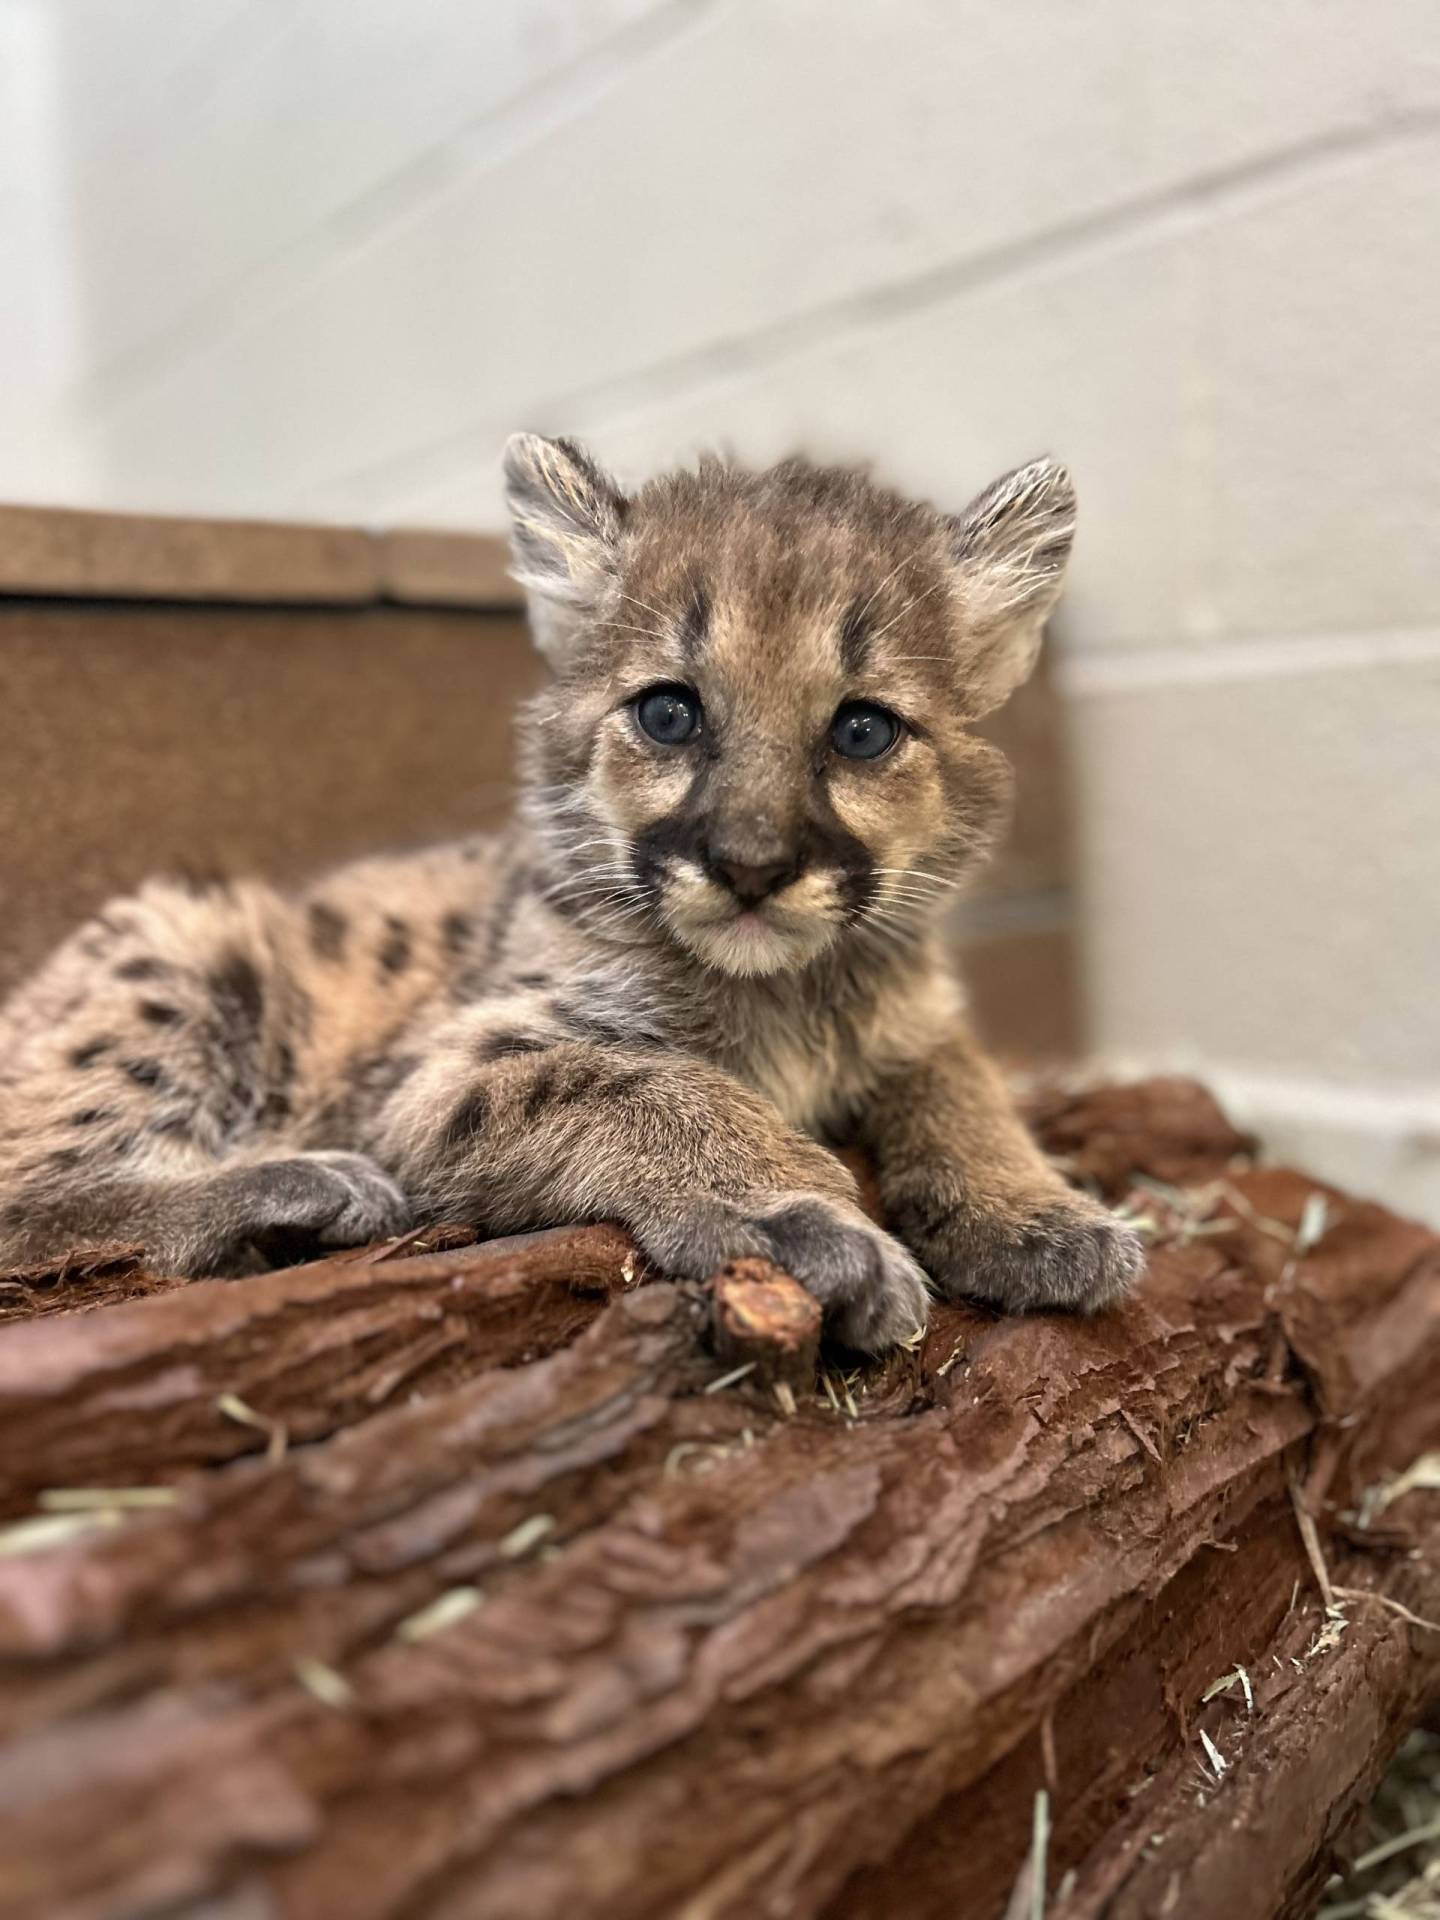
{"x":693,"y":1654}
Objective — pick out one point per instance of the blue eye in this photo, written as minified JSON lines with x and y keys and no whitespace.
{"x":670,"y":715}
{"x":861,"y":731}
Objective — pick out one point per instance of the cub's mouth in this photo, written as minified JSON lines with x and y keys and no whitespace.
{"x":781,"y":932}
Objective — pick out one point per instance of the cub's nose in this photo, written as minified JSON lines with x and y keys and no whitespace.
{"x":751,"y":884}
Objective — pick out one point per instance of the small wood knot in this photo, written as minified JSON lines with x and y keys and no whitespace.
{"x":760,"y":1315}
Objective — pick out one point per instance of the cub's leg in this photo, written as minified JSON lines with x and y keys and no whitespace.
{"x":148,"y":1079}
{"x":971,"y":1194}
{"x":510,"y":1120}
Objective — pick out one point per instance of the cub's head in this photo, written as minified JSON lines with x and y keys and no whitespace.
{"x":758,"y":741}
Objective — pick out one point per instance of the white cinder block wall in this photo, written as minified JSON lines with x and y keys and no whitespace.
{"x":270,"y":256}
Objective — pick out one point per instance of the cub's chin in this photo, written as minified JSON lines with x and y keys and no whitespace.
{"x":781,"y":934}
{"x":747,"y":945}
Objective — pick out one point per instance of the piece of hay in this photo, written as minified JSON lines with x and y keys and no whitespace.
{"x":240,"y":1411}
{"x":1314,"y":1218}
{"x":528,"y":1534}
{"x":106,"y":1499}
{"x":52,"y":1530}
{"x":1421,"y":1476}
{"x":1310,"y":1538}
{"x":729,"y":1379}
{"x":443,"y":1612}
{"x":1393,"y":1606}
{"x":1228,"y":1680}
{"x":1027,"y":1896}
{"x":327,"y":1686}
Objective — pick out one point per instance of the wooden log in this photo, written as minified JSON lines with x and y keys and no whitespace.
{"x":572,"y":1635}
{"x":142,"y":1389}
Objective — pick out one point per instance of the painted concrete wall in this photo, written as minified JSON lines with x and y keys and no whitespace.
{"x":317,"y":259}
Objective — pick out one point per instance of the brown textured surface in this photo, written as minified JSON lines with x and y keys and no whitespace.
{"x":1030,"y":731}
{"x":1023,"y":990}
{"x":1171,"y":1127}
{"x":726,"y":1663}
{"x":426,"y":567}
{"x":144,"y":740}
{"x":45,"y":550}
{"x":50,"y":552}
{"x":319,"y":1347}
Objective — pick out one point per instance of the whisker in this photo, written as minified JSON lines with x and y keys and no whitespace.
{"x":886,"y":581}
{"x":569,"y":853}
{"x":614,"y":917}
{"x":606,"y":897}
{"x":908,"y":607}
{"x":917,"y":886}
{"x":621,"y":626}
{"x":891,"y":902}
{"x":612,"y":925}
{"x":574,"y":888}
{"x":587,"y":858}
{"x":593,"y":870}
{"x":579,"y":868}
{"x":883,"y":940}
{"x":610,"y":886}
{"x":605,"y":890}
{"x":635,"y":600}
{"x":572,"y":868}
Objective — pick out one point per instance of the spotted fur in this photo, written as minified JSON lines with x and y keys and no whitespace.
{"x":682,"y":970}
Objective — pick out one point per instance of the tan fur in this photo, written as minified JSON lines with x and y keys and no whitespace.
{"x":683,"y":968}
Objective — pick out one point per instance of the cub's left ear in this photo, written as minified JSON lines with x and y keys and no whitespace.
{"x":1010,"y":547}
{"x":566,"y":514}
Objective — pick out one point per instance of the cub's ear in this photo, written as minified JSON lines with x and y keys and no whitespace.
{"x":1010,"y":546}
{"x":565,"y":515}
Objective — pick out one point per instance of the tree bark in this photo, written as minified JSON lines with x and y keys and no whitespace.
{"x":546,"y":1617}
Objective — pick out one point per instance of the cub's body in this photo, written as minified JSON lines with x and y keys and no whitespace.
{"x":709,"y":943}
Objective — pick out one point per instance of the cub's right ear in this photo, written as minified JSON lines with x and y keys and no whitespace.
{"x":566,"y":516}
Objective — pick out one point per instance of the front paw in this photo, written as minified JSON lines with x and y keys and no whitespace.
{"x":292,"y":1208}
{"x":1062,"y":1250}
{"x":871,"y":1289}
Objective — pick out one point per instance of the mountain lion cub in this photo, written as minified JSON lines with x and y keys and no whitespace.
{"x":709,"y":944}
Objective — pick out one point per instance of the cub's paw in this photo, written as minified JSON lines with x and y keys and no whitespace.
{"x":287,"y":1209}
{"x":871,"y":1289}
{"x":1065,"y":1251}
{"x":371,"y":1206}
